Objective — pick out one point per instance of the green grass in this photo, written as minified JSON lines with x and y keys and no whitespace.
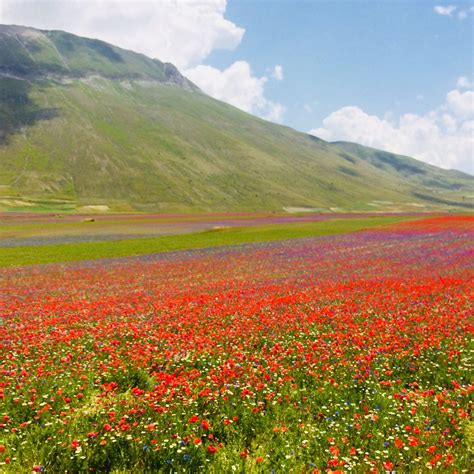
{"x":41,"y":254}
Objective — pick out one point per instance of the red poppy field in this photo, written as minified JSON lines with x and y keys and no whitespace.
{"x":342,"y":353}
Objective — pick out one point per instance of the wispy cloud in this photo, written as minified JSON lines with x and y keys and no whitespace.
{"x":446,"y":10}
{"x":453,"y":11}
{"x":463,"y":83}
{"x":278,"y":72}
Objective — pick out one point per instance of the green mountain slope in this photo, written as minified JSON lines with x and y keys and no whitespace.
{"x":84,"y":123}
{"x":432,"y":184}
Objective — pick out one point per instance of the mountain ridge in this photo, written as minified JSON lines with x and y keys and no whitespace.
{"x":48,"y":58}
{"x":124,"y":132}
{"x":353,"y":146}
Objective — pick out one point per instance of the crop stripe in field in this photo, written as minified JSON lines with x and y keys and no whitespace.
{"x":42,"y":254}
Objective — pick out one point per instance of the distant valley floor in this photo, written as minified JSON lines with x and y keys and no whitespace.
{"x":29,"y":239}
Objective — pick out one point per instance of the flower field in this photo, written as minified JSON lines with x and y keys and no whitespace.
{"x":342,"y":353}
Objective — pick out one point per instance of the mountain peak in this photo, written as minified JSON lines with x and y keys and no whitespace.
{"x":31,"y":53}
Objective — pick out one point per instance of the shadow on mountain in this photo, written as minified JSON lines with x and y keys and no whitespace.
{"x":397,"y":163}
{"x":17,"y":109}
{"x":347,"y":171}
{"x":433,"y":199}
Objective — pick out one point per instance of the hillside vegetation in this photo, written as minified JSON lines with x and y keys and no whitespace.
{"x":87,"y":125}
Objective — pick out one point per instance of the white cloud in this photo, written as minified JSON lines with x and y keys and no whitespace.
{"x":461,"y":103}
{"x":443,"y":137}
{"x":237,"y":86}
{"x":447,"y":10}
{"x":463,"y":83}
{"x":278,"y":72}
{"x":183,"y":32}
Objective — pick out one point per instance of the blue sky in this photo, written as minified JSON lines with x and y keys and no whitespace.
{"x":395,"y":75}
{"x":380,"y":56}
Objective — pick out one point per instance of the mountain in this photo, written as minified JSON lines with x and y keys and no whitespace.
{"x":87,"y":125}
{"x":431,"y":183}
